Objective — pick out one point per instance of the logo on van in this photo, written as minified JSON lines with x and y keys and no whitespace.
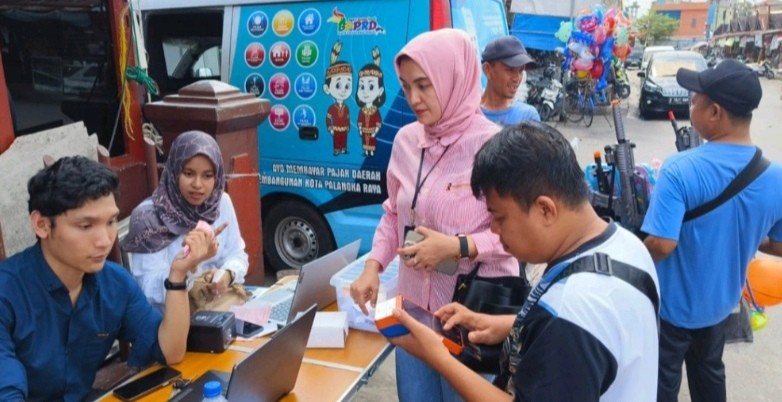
{"x":280,"y":54}
{"x":355,"y":26}
{"x":303,"y":116}
{"x":282,"y":23}
{"x":309,"y":21}
{"x":279,"y":117}
{"x":306,"y":53}
{"x":254,"y":84}
{"x":279,"y":86}
{"x":254,"y":54}
{"x":257,"y":23}
{"x":305,"y":86}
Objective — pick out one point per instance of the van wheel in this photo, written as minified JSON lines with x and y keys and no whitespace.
{"x":294,"y":234}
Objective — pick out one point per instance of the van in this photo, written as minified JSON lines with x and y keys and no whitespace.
{"x":336,"y":103}
{"x":649,"y":51}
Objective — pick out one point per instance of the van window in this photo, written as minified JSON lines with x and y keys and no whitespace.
{"x":183,"y":48}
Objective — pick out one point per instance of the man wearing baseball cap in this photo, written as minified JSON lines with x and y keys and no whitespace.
{"x":504,"y":60}
{"x":702,"y":263}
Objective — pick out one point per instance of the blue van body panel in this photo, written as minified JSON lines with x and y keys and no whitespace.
{"x":285,"y":52}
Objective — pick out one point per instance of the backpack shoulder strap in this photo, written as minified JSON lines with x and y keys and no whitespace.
{"x":601,"y":263}
{"x":754,"y":168}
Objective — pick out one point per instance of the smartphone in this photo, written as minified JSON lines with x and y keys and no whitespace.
{"x":412,"y":237}
{"x":146,"y":384}
{"x":448,"y":266}
{"x":454,"y":339}
{"x":249,"y":329}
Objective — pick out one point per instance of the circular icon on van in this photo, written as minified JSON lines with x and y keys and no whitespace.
{"x":282,"y":23}
{"x":303,"y":116}
{"x":305,"y":86}
{"x":309,"y":21}
{"x":257,"y":23}
{"x":279,"y":117}
{"x":254,"y":84}
{"x":306,"y":53}
{"x":280,"y":54}
{"x":279,"y":86}
{"x":254,"y":54}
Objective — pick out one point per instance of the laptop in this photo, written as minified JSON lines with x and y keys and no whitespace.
{"x":312,"y":286}
{"x":267,"y":373}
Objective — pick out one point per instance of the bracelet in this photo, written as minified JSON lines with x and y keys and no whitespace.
{"x":464,"y":248}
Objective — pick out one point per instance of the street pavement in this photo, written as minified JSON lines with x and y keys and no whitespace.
{"x":754,"y":370}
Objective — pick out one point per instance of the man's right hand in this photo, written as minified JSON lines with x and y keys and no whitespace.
{"x":365,"y":288}
{"x":484,"y":328}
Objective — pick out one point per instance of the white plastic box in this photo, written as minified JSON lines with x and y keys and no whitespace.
{"x":342,"y":280}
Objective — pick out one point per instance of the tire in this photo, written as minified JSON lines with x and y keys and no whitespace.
{"x":294,"y":234}
{"x":572,"y":111}
{"x":589,"y":115}
{"x":546,"y":112}
{"x":769,"y":74}
{"x":623,"y":91}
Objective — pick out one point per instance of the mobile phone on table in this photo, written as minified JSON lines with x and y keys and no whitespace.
{"x":146,"y":384}
{"x":249,"y":329}
{"x":454,"y":339}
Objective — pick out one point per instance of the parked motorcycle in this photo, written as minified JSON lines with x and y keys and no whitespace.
{"x":621,"y":84}
{"x":545,"y":94}
{"x":763,"y":69}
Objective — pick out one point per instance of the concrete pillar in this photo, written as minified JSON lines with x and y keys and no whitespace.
{"x":232,"y":117}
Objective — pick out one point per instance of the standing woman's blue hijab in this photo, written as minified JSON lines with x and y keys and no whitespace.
{"x":154,"y":226}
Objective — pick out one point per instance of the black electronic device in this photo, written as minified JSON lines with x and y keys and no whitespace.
{"x":455,"y":339}
{"x":210,"y":331}
{"x":146,"y":384}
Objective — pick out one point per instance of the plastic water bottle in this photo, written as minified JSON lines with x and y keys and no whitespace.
{"x":213,"y":392}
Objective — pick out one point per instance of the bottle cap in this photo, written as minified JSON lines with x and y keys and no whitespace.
{"x":212,"y":389}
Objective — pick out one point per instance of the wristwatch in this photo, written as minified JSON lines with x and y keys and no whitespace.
{"x":174,"y":285}
{"x":464,"y":248}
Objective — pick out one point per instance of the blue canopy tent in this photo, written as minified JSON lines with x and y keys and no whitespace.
{"x":537,"y":31}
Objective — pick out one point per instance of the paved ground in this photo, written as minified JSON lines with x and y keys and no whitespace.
{"x":753,"y":369}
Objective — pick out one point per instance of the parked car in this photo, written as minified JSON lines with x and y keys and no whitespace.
{"x":649,"y":51}
{"x":633,"y":60}
{"x":659,"y":90}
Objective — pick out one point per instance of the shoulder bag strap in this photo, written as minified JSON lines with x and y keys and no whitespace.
{"x":754,"y":168}
{"x":601,"y":263}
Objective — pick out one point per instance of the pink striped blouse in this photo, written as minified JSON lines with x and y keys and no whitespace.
{"x":445,"y":204}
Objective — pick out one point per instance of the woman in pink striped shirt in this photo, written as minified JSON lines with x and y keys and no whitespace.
{"x":429,"y":189}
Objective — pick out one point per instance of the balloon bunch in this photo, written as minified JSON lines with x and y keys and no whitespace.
{"x":595,"y":40}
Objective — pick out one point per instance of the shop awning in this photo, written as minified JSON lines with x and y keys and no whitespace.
{"x":537,"y":31}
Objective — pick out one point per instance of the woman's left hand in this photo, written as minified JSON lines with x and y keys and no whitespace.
{"x":432,"y":250}
{"x":220,"y":286}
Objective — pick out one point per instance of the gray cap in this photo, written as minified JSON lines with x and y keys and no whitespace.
{"x":508,"y":50}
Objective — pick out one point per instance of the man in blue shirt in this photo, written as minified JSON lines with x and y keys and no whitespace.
{"x":504,"y":61}
{"x":62,"y":304}
{"x":702,"y":263}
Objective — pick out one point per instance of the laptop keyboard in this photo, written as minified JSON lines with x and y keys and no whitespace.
{"x":280,"y":311}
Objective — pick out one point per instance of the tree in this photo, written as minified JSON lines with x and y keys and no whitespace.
{"x":654,"y":27}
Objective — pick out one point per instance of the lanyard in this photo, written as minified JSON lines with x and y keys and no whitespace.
{"x":511,"y":348}
{"x":419,"y":183}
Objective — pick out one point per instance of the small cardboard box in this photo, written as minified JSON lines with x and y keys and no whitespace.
{"x":385,"y":321}
{"x":329,"y":330}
